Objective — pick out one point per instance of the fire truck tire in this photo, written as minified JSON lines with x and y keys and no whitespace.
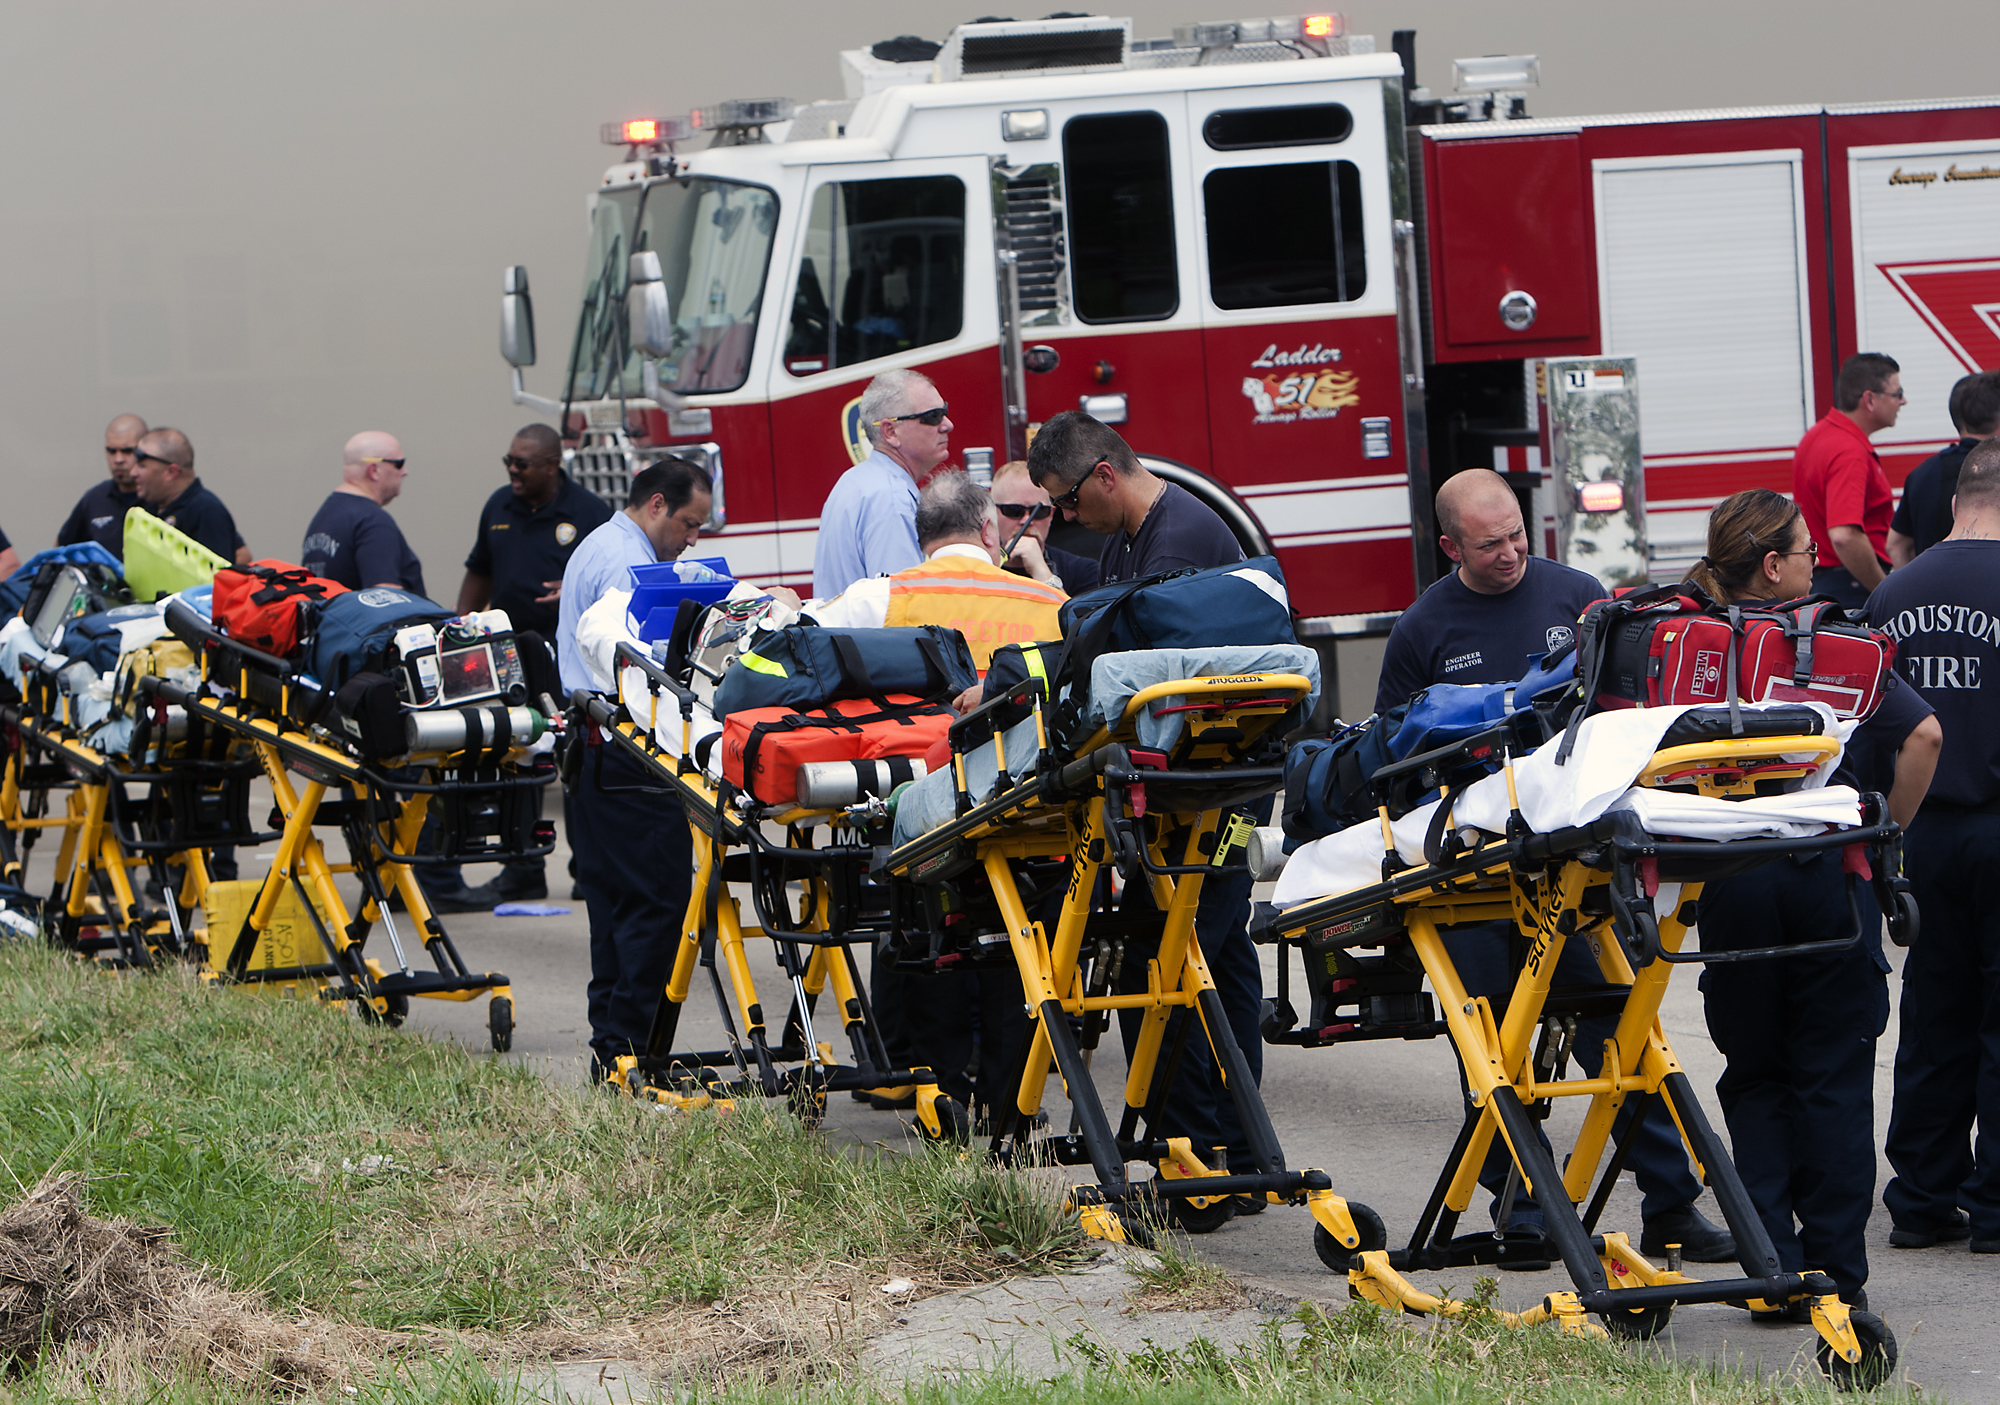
{"x":1250,"y":534}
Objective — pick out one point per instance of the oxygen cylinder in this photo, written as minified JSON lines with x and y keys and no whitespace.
{"x":828,"y":785}
{"x":1264,"y":853}
{"x":449,"y":730}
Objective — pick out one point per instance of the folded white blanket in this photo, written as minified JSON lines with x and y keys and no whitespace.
{"x":1611,"y":749}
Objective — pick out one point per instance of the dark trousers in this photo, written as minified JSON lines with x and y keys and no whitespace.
{"x":1839,"y":582}
{"x":635,"y":864}
{"x":1199,"y":1107}
{"x":1799,"y":1033}
{"x":1657,"y":1161}
{"x":970,"y":1028}
{"x":1948,"y":1058}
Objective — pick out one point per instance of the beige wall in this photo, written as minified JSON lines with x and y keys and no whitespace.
{"x":273,"y":223}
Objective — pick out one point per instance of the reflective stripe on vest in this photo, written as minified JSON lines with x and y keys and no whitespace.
{"x":989,"y":606}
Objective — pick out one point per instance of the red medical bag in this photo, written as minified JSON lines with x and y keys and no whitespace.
{"x":763,"y":748}
{"x":1662,"y":648}
{"x":265,"y":604}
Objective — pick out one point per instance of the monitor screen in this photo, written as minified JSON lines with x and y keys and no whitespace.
{"x":467,"y":674}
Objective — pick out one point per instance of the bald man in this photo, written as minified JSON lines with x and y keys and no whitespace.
{"x":163,"y":475}
{"x":99,"y":515}
{"x":1487,"y":622}
{"x":352,"y":538}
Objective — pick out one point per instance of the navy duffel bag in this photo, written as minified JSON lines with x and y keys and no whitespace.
{"x":807,"y":665}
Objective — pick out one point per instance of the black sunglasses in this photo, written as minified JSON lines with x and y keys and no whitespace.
{"x":141,"y":456}
{"x":524,"y":465}
{"x":1034,"y":512}
{"x":1067,"y":501}
{"x":932,"y":417}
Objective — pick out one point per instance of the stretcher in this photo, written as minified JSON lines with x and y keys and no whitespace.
{"x":806,"y":869}
{"x":1003,"y":861}
{"x":143,"y":794}
{"x":485,"y":796}
{"x":1598,"y":851}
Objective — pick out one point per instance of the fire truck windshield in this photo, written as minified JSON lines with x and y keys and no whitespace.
{"x":714,"y":242}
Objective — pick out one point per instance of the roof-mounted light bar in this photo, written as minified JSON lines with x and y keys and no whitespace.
{"x":646,"y":131}
{"x":739,"y":113}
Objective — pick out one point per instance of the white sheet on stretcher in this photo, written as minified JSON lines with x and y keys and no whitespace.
{"x":1611,"y":750}
{"x":1115,"y":680}
{"x":91,"y":707}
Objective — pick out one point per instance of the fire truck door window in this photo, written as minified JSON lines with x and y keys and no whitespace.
{"x":882,"y":271}
{"x":714,"y":242}
{"x":599,"y":353}
{"x":1119,"y":189}
{"x":1279,"y":236}
{"x":1304,"y":124}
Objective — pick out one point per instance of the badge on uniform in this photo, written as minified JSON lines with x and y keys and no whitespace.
{"x":565,"y":533}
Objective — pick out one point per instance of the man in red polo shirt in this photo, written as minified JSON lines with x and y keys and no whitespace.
{"x":1839,"y":484}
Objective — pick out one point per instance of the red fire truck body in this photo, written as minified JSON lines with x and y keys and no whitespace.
{"x":1252,"y":249}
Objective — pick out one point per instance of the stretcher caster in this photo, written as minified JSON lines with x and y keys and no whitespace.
{"x":942,"y":1118}
{"x":500,"y":1023}
{"x":1877,"y":1365}
{"x":1337,"y":1256}
{"x":390,"y":1010}
{"x":1189,"y":1218}
{"x":1638,"y":1324}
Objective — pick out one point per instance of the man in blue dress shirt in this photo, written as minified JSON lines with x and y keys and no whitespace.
{"x":868,"y":526}
{"x":634,"y":856}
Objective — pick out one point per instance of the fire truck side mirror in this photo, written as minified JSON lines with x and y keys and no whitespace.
{"x":650,"y":320}
{"x":517,"y":318}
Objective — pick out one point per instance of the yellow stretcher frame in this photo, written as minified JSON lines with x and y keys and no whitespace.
{"x":1595,"y":884}
{"x":1086,"y":811}
{"x":800,"y":1065}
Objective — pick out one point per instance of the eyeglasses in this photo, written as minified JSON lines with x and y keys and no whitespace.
{"x":1812,"y":550}
{"x":524,"y":465}
{"x":141,"y":456}
{"x":393,"y":463}
{"x":933,"y":417}
{"x":1067,"y":501}
{"x":1034,"y":512}
{"x":1890,"y":394}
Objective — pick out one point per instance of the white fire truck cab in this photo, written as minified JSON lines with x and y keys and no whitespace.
{"x":1299,"y":285}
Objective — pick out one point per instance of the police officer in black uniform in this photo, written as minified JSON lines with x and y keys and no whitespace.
{"x":1487,"y":622}
{"x":1923,"y":513}
{"x":1943,"y":609}
{"x":1799,"y":1032}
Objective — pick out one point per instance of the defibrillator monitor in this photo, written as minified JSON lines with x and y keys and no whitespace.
{"x":66,"y":600}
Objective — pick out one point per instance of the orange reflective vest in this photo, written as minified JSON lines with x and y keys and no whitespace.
{"x":989,"y":606}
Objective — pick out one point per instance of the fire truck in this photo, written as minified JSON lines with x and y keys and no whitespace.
{"x":1300,"y":285}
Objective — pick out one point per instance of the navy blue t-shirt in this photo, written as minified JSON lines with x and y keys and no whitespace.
{"x":200,"y":514}
{"x":1453,"y":634}
{"x":1078,"y":573}
{"x":99,"y":516}
{"x":355,"y":541}
{"x":1925,"y":510}
{"x":1943,"y":610}
{"x":519,"y":547}
{"x":1180,"y":530}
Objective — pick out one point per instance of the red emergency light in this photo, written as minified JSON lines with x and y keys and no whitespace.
{"x":1608,"y":496}
{"x":646,"y":131}
{"x":1321,"y":26}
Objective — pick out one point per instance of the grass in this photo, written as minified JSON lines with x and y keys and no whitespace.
{"x":467,"y":1223}
{"x":1174,"y":1279}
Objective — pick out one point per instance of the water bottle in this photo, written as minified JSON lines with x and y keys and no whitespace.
{"x":694,"y":573}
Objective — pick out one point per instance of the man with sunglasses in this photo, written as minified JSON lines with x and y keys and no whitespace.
{"x":99,"y":515}
{"x":163,"y":473}
{"x":1019,"y":499}
{"x":868,"y":525}
{"x":527,"y":533}
{"x":352,"y":538}
{"x":1838,"y":482}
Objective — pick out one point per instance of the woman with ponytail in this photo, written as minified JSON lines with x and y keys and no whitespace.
{"x":1799,"y":1032}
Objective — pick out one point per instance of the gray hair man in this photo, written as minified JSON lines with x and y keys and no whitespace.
{"x":868,"y":525}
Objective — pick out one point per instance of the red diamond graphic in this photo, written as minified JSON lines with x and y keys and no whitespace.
{"x":1960,"y":299}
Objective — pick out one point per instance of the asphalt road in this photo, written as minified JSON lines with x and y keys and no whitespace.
{"x":1378,"y":1117}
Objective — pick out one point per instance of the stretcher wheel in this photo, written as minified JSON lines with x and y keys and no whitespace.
{"x":1877,"y":1365}
{"x":1336,"y":1255}
{"x":500,"y":1023}
{"x":1639,"y":1324}
{"x":1183,"y":1215}
{"x":398,"y":1010}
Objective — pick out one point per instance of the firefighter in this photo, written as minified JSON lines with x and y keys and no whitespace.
{"x":99,"y":515}
{"x":1839,"y":484}
{"x":1021,"y":500}
{"x":352,"y":538}
{"x":163,"y":477}
{"x":634,"y":855}
{"x":1923,"y":513}
{"x":1799,"y":1032}
{"x":1942,"y":611}
{"x":1484,"y":623}
{"x":868,"y":524}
